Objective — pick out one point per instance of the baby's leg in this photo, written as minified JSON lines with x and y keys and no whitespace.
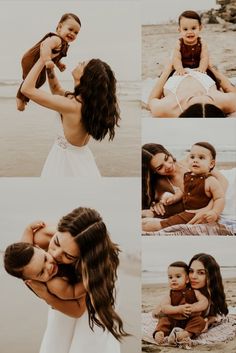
{"x":183,"y":336}
{"x":151,"y":224}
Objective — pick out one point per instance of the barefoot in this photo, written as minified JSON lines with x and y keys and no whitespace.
{"x":20,"y":104}
{"x":183,"y":336}
{"x":159,"y":337}
{"x":150,"y":224}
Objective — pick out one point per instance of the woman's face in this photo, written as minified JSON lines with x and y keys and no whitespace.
{"x":197,"y":275}
{"x":163,"y":164}
{"x":78,"y":71}
{"x":63,"y":248}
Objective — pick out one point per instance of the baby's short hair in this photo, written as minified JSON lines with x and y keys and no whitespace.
{"x":16,"y":257}
{"x":190,"y":14}
{"x":180,"y":264}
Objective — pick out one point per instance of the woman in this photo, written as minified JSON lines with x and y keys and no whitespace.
{"x":192,"y":95}
{"x":162,"y":173}
{"x":205,"y":276}
{"x":82,"y":239}
{"x":91,"y":110}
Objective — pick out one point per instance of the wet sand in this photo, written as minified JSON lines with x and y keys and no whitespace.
{"x":26,"y":138}
{"x":150,"y":296}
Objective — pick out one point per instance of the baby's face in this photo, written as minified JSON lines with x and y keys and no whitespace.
{"x":68,"y":30}
{"x":189,"y":29}
{"x":200,"y":160}
{"x":177,"y":277}
{"x":42,"y":267}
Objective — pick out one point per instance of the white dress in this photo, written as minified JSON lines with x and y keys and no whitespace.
{"x":67,"y":335}
{"x":67,"y":160}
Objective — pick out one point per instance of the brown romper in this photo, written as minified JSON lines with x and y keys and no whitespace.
{"x":191,"y":55}
{"x":32,"y":56}
{"x":194,"y":198}
{"x":195,"y":324}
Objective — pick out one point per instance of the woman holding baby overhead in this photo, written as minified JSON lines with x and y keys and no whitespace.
{"x":91,"y":110}
{"x":186,"y":88}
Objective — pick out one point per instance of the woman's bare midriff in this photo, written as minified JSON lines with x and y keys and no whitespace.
{"x":188,"y":87}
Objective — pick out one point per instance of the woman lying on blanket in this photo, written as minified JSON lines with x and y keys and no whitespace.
{"x":193,"y":308}
{"x":178,"y":188}
{"x":193,"y":94}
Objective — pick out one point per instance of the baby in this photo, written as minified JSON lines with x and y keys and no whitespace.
{"x":200,"y":187}
{"x":190,"y":51}
{"x":52,"y":47}
{"x":181,"y":308}
{"x":30,"y":262}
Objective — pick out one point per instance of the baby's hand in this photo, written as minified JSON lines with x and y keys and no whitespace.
{"x":186,"y":310}
{"x":36,"y":225}
{"x":211,"y":216}
{"x":61,"y":66}
{"x":200,"y":70}
{"x":180,"y":71}
{"x":49,"y":64}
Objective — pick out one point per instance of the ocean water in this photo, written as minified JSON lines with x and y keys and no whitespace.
{"x":160,"y":276}
{"x":126,"y":90}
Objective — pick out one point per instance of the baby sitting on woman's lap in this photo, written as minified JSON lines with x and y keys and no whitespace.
{"x":182,"y":308}
{"x":200,"y":187}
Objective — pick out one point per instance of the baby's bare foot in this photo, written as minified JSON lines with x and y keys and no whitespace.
{"x":159,"y":337}
{"x":183,"y":336}
{"x":20,"y":104}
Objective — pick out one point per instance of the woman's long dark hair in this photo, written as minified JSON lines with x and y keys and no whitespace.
{"x":97,"y":91}
{"x":98,"y":264}
{"x":200,"y":110}
{"x":149,"y":177}
{"x":214,"y":285}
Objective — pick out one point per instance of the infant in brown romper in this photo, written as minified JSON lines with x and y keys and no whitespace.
{"x":194,"y":198}
{"x":194,"y":324}
{"x":32,"y":56}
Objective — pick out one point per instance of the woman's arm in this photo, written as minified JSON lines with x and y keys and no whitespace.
{"x":156,"y":103}
{"x":54,"y":102}
{"x":201,"y":304}
{"x":64,"y":290}
{"x":73,"y":308}
{"x":54,"y":84}
{"x":223,"y":81}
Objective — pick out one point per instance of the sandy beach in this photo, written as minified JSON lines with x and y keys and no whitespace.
{"x":26,"y":138}
{"x":150,"y":295}
{"x":158,"y":42}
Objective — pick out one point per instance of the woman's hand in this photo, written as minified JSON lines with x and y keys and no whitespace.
{"x":39,"y":288}
{"x":186,"y":310}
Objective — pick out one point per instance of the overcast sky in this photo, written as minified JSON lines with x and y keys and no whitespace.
{"x":110,"y":31}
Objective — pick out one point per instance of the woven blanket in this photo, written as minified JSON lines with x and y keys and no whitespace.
{"x":223,"y":331}
{"x":196,"y":229}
